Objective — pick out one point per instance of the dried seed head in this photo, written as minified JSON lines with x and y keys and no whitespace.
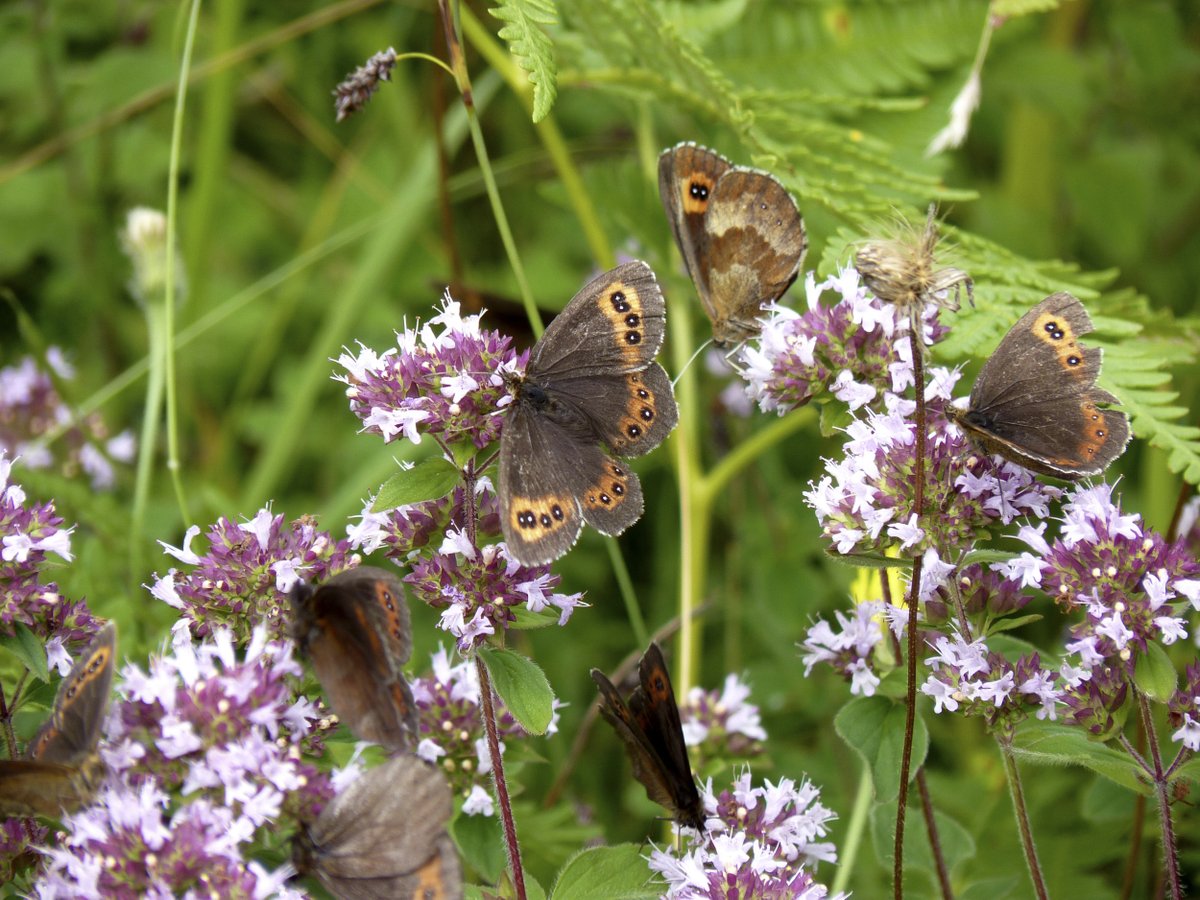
{"x":901,"y":269}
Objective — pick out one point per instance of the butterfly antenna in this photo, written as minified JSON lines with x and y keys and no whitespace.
{"x":691,"y":360}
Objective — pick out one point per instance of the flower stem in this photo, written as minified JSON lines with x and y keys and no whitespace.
{"x":151,"y":408}
{"x":506,"y":816}
{"x":552,"y":139}
{"x":1022,"y":814}
{"x":168,"y":324}
{"x":1162,"y":794}
{"x":916,"y":343}
{"x":854,"y":833}
{"x":625,"y":585}
{"x":458,"y":64}
{"x":935,"y":842}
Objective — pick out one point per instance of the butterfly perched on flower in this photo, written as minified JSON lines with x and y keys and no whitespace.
{"x":648,"y":725}
{"x":62,"y":768}
{"x":385,"y":837}
{"x":591,"y":388}
{"x":354,"y":627}
{"x":740,"y":234}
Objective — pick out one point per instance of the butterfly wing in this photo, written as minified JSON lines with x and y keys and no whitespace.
{"x":687,"y":176}
{"x":756,"y":245}
{"x":540,"y":515}
{"x":1036,"y":401}
{"x":73,"y":729}
{"x":614,"y":324}
{"x":355,"y":629}
{"x":384,"y":836}
{"x":33,"y":788}
{"x":649,"y":727}
{"x":631,"y":413}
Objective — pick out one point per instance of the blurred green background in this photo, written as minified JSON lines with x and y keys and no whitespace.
{"x":1081,"y":171}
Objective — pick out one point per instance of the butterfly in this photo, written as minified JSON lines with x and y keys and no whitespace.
{"x":591,"y":382}
{"x":62,"y":768}
{"x":1035,"y":401}
{"x":385,"y":836}
{"x":649,"y":727}
{"x":740,"y":233}
{"x":354,"y":627}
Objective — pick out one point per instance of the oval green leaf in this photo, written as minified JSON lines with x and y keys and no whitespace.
{"x":1154,"y":674}
{"x":606,"y":873}
{"x":874,"y":729}
{"x":522,"y":686}
{"x":427,"y":480}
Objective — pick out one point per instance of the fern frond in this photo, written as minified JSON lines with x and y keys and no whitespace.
{"x":531,"y":47}
{"x":1134,"y":371}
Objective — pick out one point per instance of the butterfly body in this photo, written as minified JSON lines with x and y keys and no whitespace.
{"x":591,"y":385}
{"x":354,"y":628}
{"x":1036,"y":402}
{"x":740,"y":234}
{"x":648,"y":725}
{"x":62,"y":768}
{"x":384,"y":836}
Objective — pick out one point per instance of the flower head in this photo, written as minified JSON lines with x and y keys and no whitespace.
{"x":757,"y":842}
{"x":721,"y":724}
{"x":857,"y":348}
{"x":244,"y":577}
{"x":445,"y":378}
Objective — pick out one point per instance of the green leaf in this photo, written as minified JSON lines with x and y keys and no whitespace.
{"x":525,"y":620}
{"x":1154,"y":674}
{"x":985,"y":556}
{"x":28,"y":648}
{"x":528,"y":43}
{"x":955,"y":842}
{"x":1010,"y":623}
{"x":427,"y":480}
{"x":874,"y":729}
{"x":868,"y":560}
{"x":522,"y":686}
{"x":481,"y":840}
{"x":606,"y":873}
{"x":1046,"y":743}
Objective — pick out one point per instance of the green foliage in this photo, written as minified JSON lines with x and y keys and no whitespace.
{"x":429,"y":479}
{"x":532,"y":48}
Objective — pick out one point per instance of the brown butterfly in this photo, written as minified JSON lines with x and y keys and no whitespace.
{"x":648,"y":725}
{"x":1035,"y":401}
{"x":62,"y":768}
{"x":385,"y":837}
{"x":354,"y":627}
{"x":591,"y":383}
{"x":740,"y":234}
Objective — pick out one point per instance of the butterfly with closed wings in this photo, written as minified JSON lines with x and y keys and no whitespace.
{"x":649,"y":727}
{"x":354,"y":627}
{"x":384,"y":837}
{"x":740,"y":234}
{"x":591,"y":383}
{"x":62,"y":768}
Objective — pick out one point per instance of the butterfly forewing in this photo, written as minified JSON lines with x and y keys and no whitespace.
{"x":615,"y":323}
{"x":354,"y":628}
{"x":687,"y":176}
